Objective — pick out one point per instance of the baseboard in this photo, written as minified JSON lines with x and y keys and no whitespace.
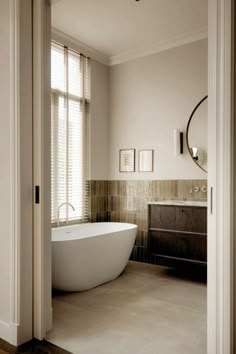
{"x":8,"y":332}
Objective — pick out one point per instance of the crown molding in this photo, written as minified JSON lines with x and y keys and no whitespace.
{"x":174,"y":42}
{"x":75,"y":44}
{"x":160,"y":46}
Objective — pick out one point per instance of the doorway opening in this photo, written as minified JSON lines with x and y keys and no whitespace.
{"x":119,"y":130}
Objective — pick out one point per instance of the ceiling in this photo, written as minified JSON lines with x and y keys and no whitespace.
{"x":122,"y":27}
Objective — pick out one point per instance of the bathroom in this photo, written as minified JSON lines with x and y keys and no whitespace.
{"x":144,"y":162}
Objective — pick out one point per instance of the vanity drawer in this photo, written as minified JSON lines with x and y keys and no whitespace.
{"x":180,"y":245}
{"x":162,"y":217}
{"x":193,"y":219}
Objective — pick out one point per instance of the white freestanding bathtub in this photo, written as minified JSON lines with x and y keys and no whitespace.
{"x":87,"y":255}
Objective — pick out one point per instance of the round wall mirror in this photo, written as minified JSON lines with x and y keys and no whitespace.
{"x":196,"y":134}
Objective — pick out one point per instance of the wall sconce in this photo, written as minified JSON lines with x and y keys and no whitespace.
{"x":194,"y":151}
{"x":197,"y":155}
{"x":178,"y":142}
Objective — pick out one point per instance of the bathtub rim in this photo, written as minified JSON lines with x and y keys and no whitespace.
{"x":74,"y":226}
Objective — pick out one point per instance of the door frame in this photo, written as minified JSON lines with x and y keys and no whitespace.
{"x":221,"y":175}
{"x":42,"y":308}
{"x":221,"y":210}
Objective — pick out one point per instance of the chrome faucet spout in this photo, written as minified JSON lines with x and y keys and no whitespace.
{"x":58,"y":211}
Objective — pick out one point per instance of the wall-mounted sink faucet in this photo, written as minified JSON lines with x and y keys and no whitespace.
{"x":196,"y":189}
{"x":58,"y":211}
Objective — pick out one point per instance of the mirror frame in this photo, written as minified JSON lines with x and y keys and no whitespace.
{"x":187,"y":132}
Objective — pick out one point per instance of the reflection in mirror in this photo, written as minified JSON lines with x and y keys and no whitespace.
{"x":196,"y":134}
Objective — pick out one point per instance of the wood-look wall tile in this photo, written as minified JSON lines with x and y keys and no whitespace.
{"x":130,"y":203}
{"x":115,"y":203}
{"x":140,"y":204}
{"x":138,"y":240}
{"x":142,"y":238}
{"x":180,"y":193}
{"x":130,"y":188}
{"x":97,"y":188}
{"x":142,"y":220}
{"x":122,"y":188}
{"x":186,"y":190}
{"x":93,"y":204}
{"x":140,"y":188}
{"x":92,"y":188}
{"x":115,"y":216}
{"x":128,"y":217}
{"x":157,"y":189}
{"x":123,"y":203}
{"x":106,"y":188}
{"x":100,"y":188}
{"x":102,"y":204}
{"x":113,"y":188}
{"x":151,"y":189}
{"x":93,"y":217}
{"x":109,"y":203}
{"x":101,"y":216}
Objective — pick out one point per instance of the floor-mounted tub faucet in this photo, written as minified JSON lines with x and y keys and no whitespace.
{"x":58,"y":211}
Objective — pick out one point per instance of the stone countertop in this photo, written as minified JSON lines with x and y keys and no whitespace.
{"x":180,"y":203}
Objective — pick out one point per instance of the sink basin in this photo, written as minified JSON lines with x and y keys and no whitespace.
{"x":181,"y":202}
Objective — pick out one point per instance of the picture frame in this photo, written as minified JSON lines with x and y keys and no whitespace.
{"x":146,"y":160}
{"x":127,"y":160}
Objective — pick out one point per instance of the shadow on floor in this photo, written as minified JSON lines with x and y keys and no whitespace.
{"x":33,"y":346}
{"x":196,"y":274}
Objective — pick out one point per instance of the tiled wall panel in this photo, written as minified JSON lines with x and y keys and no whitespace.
{"x":126,"y":201}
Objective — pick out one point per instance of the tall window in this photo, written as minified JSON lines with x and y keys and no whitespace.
{"x":69,"y":133}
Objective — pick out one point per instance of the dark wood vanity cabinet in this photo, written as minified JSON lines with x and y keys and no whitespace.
{"x":178,"y":233}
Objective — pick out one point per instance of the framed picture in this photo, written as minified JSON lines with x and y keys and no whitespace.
{"x":146,"y":160}
{"x":127,"y":160}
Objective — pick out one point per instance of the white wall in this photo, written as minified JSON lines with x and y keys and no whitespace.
{"x":151,"y":96}
{"x":138,"y":104}
{"x":99,"y":120}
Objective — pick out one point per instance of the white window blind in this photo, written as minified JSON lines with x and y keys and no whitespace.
{"x":70,"y":93}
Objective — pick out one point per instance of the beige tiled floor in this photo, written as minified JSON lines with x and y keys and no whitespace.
{"x":147,"y":310}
